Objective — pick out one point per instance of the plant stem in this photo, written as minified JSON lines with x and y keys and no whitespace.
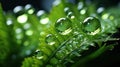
{"x":92,"y":56}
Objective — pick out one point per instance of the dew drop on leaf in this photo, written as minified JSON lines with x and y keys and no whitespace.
{"x":38,"y":54}
{"x":100,"y":9}
{"x":70,"y":15}
{"x":80,"y":5}
{"x":63,"y":26}
{"x":29,"y":9}
{"x":91,"y":25}
{"x":50,"y":39}
{"x":43,"y":17}
{"x":66,"y":10}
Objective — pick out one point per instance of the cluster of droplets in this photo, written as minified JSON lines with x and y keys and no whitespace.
{"x":69,"y":13}
{"x":64,"y":26}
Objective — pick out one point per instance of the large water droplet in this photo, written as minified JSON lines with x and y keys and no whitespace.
{"x":91,"y":25}
{"x":50,"y":39}
{"x":63,"y":26}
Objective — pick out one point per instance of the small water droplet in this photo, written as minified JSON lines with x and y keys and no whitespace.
{"x":29,"y":9}
{"x":66,"y":10}
{"x":18,"y":10}
{"x":80,"y":5}
{"x":83,"y":11}
{"x":29,"y":32}
{"x":105,"y":16}
{"x":56,"y":2}
{"x":27,"y":26}
{"x":91,"y":25}
{"x":40,"y":13}
{"x":38,"y":54}
{"x":43,"y":17}
{"x":63,"y":26}
{"x":100,"y":9}
{"x":70,"y":15}
{"x":9,"y":21}
{"x":50,"y":39}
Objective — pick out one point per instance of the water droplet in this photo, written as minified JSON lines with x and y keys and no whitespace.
{"x":100,"y":9}
{"x":50,"y":39}
{"x":26,"y":43}
{"x":38,"y":54}
{"x":91,"y":25}
{"x":18,"y":30}
{"x":70,"y":15}
{"x":44,"y":20}
{"x":40,"y":13}
{"x":66,"y":10}
{"x":9,"y":21}
{"x":29,"y":32}
{"x":22,"y":18}
{"x":43,"y":17}
{"x":56,"y":2}
{"x":105,"y":16}
{"x":27,"y":26}
{"x":63,"y":26}
{"x":83,"y":11}
{"x":28,"y":52}
{"x":80,"y":5}
{"x":18,"y":10}
{"x":29,"y":9}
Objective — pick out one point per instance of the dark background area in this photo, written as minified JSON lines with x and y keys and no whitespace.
{"x":47,"y":4}
{"x":37,"y":4}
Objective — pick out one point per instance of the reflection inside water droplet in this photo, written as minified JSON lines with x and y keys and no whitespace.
{"x":22,"y":18}
{"x":70,"y":15}
{"x":63,"y":26}
{"x":50,"y":39}
{"x":91,"y":25}
{"x":39,"y":54}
